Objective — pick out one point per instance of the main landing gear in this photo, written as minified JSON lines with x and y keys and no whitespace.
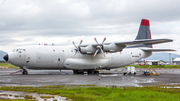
{"x":84,"y":72}
{"x":25,"y":72}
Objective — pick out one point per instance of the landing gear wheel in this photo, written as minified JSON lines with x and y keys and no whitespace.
{"x":75,"y":71}
{"x":96,"y":72}
{"x":134,"y":73}
{"x":93,"y":72}
{"x":25,"y":72}
{"x":90,"y":72}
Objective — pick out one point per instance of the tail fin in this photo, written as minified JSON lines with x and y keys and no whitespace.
{"x":144,"y":32}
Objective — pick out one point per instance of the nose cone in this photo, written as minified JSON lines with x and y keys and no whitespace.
{"x":6,"y":57}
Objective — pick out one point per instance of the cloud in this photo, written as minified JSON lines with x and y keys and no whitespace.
{"x":24,"y":22}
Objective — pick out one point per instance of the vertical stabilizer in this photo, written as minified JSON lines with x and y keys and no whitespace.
{"x":144,"y":32}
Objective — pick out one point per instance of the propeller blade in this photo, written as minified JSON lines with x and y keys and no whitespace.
{"x":104,"y":40}
{"x":75,"y":54}
{"x":74,"y":44}
{"x":96,"y":52}
{"x":77,"y":48}
{"x":80,"y":42}
{"x":80,"y":53}
{"x":96,"y":41}
{"x":102,"y":52}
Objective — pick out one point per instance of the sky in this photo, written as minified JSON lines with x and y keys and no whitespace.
{"x":30,"y":22}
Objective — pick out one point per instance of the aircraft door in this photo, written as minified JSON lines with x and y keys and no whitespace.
{"x":21,"y":56}
{"x":27,"y":60}
{"x":60,"y":59}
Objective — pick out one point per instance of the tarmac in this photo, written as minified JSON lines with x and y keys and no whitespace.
{"x":66,"y":77}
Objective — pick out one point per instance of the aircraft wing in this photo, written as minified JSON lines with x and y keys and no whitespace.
{"x":156,"y":50}
{"x":137,"y":42}
{"x":143,"y":42}
{"x":119,"y":46}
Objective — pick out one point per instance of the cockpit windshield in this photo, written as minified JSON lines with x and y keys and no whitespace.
{"x":19,"y":50}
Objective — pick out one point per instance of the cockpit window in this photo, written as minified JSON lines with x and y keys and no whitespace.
{"x":14,"y":50}
{"x":19,"y":50}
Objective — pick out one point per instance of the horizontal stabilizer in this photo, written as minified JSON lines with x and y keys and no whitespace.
{"x":156,"y":50}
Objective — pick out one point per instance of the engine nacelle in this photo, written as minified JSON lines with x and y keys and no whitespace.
{"x":113,"y":47}
{"x":88,"y":50}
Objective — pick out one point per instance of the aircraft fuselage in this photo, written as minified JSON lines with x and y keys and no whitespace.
{"x":58,"y":57}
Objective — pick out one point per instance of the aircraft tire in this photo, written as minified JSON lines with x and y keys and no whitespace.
{"x":96,"y":72}
{"x":75,"y":71}
{"x":90,"y":71}
{"x":25,"y":72}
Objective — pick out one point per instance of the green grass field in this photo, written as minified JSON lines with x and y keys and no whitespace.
{"x":158,"y":66}
{"x":7,"y":65}
{"x":17,"y":100}
{"x":93,"y":93}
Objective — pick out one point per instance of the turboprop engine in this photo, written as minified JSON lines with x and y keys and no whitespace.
{"x":88,"y":50}
{"x":84,"y":50}
{"x":113,"y":48}
{"x":95,"y":49}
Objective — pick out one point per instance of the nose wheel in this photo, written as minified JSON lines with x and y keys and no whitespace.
{"x":25,"y":72}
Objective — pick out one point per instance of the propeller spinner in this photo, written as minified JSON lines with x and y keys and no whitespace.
{"x":99,"y":47}
{"x":78,"y":48}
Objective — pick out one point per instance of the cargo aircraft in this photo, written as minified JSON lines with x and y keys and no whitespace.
{"x":91,"y":57}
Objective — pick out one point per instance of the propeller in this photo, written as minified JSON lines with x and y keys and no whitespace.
{"x":99,"y":47}
{"x":77,"y":48}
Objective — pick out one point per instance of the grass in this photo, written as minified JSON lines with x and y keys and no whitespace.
{"x":7,"y":65}
{"x":47,"y":97}
{"x":158,"y":66}
{"x":91,"y":93}
{"x":16,"y":100}
{"x":29,"y":97}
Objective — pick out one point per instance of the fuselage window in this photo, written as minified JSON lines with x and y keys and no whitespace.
{"x":14,"y":50}
{"x":19,"y":50}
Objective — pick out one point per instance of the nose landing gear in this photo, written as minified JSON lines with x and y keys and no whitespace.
{"x":25,"y":72}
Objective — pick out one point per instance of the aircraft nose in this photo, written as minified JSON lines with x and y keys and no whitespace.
{"x":6,"y":57}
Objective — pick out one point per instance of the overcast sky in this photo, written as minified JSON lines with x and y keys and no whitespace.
{"x":30,"y":22}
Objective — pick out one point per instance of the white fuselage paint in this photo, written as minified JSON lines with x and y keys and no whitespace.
{"x":59,"y":57}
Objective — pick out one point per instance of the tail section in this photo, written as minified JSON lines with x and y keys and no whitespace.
{"x":144,"y":32}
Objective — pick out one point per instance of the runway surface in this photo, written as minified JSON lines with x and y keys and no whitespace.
{"x":66,"y":77}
